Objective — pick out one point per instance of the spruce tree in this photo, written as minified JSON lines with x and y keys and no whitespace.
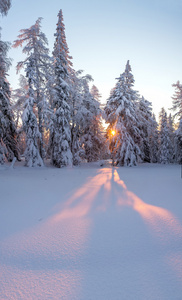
{"x":121,"y":115}
{"x":177,"y":100}
{"x":19,"y":97}
{"x":30,"y":126}
{"x":91,"y":139}
{"x":98,"y":127}
{"x":36,"y":49}
{"x":171,"y":137}
{"x":60,"y":136}
{"x":76,"y":116}
{"x":144,"y":113}
{"x":164,"y":139}
{"x":178,"y":144}
{"x":153,"y":141}
{"x":8,"y":143}
{"x":95,"y":93}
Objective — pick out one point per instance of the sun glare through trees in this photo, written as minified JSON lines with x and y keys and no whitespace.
{"x":62,"y":116}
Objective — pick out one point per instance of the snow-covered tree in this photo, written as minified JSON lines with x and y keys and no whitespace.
{"x":60,"y":45}
{"x":178,"y":143}
{"x":36,"y":49}
{"x":153,"y":141}
{"x":8,"y":144}
{"x":19,"y":97}
{"x":171,"y":137}
{"x":144,"y":113}
{"x":177,"y":100}
{"x":121,"y":115}
{"x":32,"y":155}
{"x":95,"y":93}
{"x":98,"y":123}
{"x":164,"y":139}
{"x":4,"y":7}
{"x":76,"y":116}
{"x":60,"y":136}
{"x":90,"y":112}
{"x":86,"y":128}
{"x":2,"y":152}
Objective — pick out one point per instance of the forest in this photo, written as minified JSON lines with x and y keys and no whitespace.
{"x":56,"y":113}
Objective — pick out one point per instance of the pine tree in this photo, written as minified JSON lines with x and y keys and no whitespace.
{"x":99,"y":130}
{"x":91,"y":138}
{"x":61,"y":49}
{"x":36,"y":49}
{"x":164,"y":139}
{"x":8,"y":144}
{"x":144,"y":113}
{"x":76,"y":116}
{"x":86,"y":127}
{"x":32,"y":155}
{"x":120,"y":113}
{"x":60,"y":137}
{"x":19,"y":97}
{"x":4,"y":7}
{"x":177,"y":100}
{"x":178,"y":144}
{"x":171,"y":137}
{"x":153,"y":141}
{"x":95,"y":93}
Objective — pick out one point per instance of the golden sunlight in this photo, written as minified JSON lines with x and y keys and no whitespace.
{"x":64,"y":238}
{"x":113,"y":132}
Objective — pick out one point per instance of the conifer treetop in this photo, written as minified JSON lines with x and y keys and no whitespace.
{"x":61,"y":49}
{"x":35,"y":43}
{"x":177,"y":100}
{"x":4,"y":7}
{"x":5,"y":62}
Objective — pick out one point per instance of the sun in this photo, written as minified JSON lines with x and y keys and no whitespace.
{"x":113,"y":132}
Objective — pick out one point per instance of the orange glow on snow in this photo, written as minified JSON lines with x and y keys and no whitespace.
{"x":156,"y":217}
{"x":82,"y":201}
{"x":85,"y":200}
{"x":63,"y":238}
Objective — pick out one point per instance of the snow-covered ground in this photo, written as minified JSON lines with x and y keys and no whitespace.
{"x":91,"y":232}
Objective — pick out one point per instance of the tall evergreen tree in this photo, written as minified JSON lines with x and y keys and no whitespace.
{"x":32,"y":155}
{"x":8,"y":144}
{"x":36,"y":49}
{"x":120,"y":113}
{"x":76,"y":116}
{"x":98,"y":123}
{"x":145,"y":123}
{"x":164,"y":139}
{"x":177,"y":100}
{"x":178,"y":144}
{"x":153,"y":141}
{"x":60,"y":132}
{"x":19,"y":97}
{"x":171,"y":137}
{"x":91,"y":135}
{"x":95,"y":93}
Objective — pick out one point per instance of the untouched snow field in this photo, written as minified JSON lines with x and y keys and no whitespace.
{"x":91,"y":233}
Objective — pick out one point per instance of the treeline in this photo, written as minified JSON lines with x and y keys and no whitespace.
{"x":56,"y":112}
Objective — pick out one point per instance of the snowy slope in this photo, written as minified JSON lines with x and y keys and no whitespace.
{"x":91,"y":233}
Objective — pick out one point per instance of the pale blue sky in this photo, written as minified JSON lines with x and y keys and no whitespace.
{"x":102,"y":35}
